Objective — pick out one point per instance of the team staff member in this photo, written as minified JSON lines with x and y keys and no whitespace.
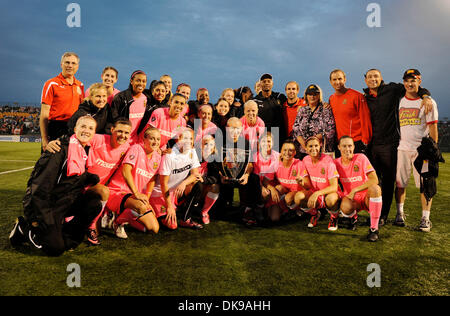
{"x":291,"y":106}
{"x":414,"y":125}
{"x":383,"y":100}
{"x":351,"y":113}
{"x":269,"y":104}
{"x":60,"y":98}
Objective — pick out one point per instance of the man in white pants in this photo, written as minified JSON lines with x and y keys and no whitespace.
{"x":414,"y":125}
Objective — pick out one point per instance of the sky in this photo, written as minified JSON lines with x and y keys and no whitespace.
{"x":221,"y":44}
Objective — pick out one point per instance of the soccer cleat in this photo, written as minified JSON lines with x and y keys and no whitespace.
{"x":383,"y":221}
{"x":191,"y":224}
{"x":33,"y":239}
{"x":205,"y":218}
{"x":373,"y":235}
{"x":333,"y":223}
{"x":352,"y":222}
{"x":119,"y":230}
{"x":17,"y":235}
{"x":248,"y":218}
{"x":425,"y":225}
{"x":400,"y":220}
{"x":313,"y":221}
{"x":108,"y":220}
{"x":92,"y":237}
{"x":171,"y":225}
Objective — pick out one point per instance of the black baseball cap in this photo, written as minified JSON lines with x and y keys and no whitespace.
{"x":266,"y":76}
{"x":312,"y":89}
{"x":411,"y":73}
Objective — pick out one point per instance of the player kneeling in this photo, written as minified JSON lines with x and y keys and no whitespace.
{"x":176,"y":189}
{"x":324,"y":183}
{"x":131,"y":187}
{"x":292,"y":179}
{"x":360,"y":183}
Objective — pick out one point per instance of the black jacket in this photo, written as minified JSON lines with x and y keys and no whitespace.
{"x":50,"y":192}
{"x":428,"y":150}
{"x":270,"y":111}
{"x":102,"y":116}
{"x":384,"y":112}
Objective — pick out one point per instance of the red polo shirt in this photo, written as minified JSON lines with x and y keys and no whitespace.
{"x":290,"y":113}
{"x":63,"y":98}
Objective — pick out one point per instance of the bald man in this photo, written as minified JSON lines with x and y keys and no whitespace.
{"x":235,"y":165}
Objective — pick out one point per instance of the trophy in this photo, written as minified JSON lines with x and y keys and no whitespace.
{"x":235,"y":161}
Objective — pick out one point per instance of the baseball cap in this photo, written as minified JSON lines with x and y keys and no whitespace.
{"x":312,"y":88}
{"x":266,"y":76}
{"x":411,"y":73}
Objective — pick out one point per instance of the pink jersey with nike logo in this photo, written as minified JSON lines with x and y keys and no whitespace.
{"x":103,"y":159}
{"x":287,"y":175}
{"x":167,"y":127}
{"x":321,"y":172}
{"x":144,"y":169}
{"x":355,"y":174}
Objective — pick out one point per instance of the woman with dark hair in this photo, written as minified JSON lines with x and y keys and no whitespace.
{"x":132,"y":102}
{"x":314,"y":120}
{"x":241,"y":95}
{"x":109,"y":78}
{"x":221,"y":114}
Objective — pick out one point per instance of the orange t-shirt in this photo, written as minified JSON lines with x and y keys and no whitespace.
{"x":290,"y":113}
{"x":63,"y":98}
{"x":352,"y":116}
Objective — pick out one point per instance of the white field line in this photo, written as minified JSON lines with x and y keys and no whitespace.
{"x":17,"y":170}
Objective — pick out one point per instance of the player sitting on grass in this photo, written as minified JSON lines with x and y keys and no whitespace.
{"x":324,"y":182}
{"x":56,"y":211}
{"x":177,"y":176}
{"x":131,"y":187}
{"x":360,"y":183}
{"x":290,"y":176}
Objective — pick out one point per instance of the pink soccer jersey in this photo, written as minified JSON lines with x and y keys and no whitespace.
{"x":137,"y":110}
{"x":355,"y":174}
{"x":103,"y":159}
{"x":252,"y":133}
{"x":287,"y":175}
{"x":161,"y":120}
{"x":144,"y":169}
{"x":321,"y":172}
{"x":266,"y":167}
{"x":202,"y":132}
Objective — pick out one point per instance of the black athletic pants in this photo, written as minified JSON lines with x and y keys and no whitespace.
{"x":384,"y":160}
{"x":62,"y":235}
{"x":249,"y":194}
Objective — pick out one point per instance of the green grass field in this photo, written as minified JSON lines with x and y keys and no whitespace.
{"x":229,"y":259}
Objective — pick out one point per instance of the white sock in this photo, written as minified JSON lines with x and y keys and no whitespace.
{"x":400,"y":208}
{"x":426,"y":214}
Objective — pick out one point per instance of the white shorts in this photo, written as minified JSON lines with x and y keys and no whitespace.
{"x":405,"y":162}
